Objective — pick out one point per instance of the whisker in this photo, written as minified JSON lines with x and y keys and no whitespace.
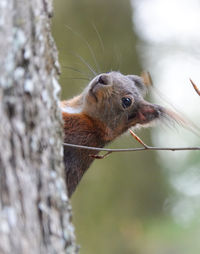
{"x":74,"y":69}
{"x":82,"y":78}
{"x":186,"y":122}
{"x":117,"y":53}
{"x":86,"y":63}
{"x":99,"y":37}
{"x":88,"y":45}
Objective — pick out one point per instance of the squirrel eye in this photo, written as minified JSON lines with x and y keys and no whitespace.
{"x":126,"y":102}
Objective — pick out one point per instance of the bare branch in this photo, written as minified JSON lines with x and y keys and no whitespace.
{"x":195,"y":87}
{"x":151,"y":148}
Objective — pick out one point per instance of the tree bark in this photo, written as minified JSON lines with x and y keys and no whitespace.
{"x":35,"y":214}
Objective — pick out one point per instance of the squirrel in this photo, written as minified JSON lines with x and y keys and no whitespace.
{"x":110,"y":105}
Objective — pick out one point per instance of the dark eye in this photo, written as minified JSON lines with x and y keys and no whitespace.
{"x":126,"y":102}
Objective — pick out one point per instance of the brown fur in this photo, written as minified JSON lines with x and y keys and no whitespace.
{"x":82,"y":130}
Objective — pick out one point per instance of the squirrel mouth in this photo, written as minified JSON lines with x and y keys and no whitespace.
{"x":91,"y":91}
{"x":146,"y":113}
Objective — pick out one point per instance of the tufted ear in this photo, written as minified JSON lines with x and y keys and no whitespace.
{"x":138,"y":83}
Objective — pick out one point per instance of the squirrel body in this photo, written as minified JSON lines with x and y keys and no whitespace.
{"x":82,"y":130}
{"x":110,"y":105}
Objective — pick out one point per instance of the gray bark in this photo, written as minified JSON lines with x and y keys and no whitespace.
{"x":35,"y":214}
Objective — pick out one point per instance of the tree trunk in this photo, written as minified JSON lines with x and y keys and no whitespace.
{"x":35,"y":214}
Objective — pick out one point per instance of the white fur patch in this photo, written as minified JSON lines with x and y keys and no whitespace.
{"x":71,"y":110}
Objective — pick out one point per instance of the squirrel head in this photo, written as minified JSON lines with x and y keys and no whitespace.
{"x":117,"y":101}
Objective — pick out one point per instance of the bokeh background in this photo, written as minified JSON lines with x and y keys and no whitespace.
{"x":145,"y":202}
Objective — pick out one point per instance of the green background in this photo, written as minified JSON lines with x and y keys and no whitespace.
{"x":120,"y":205}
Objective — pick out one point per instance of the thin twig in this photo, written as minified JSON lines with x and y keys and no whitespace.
{"x":138,"y":139}
{"x":151,"y":148}
{"x":100,"y":156}
{"x":195,"y":87}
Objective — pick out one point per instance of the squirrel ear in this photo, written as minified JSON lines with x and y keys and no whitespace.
{"x":138,"y":83}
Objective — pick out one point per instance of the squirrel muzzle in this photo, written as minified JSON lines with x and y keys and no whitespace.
{"x":146,"y":113}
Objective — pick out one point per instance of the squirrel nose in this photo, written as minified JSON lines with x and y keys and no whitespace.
{"x":103,"y":79}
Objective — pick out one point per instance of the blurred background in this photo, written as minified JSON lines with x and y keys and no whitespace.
{"x":145,"y":202}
